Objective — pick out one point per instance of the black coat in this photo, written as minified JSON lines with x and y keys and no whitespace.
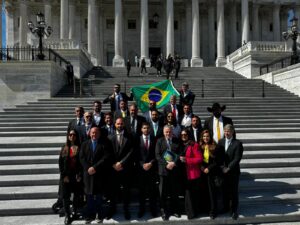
{"x":209,"y":124}
{"x":112,"y":101}
{"x":137,"y":132}
{"x":168,"y":109}
{"x":100,"y":160}
{"x":143,"y":155}
{"x":64,"y":159}
{"x":160,"y":148}
{"x":188,"y":99}
{"x":102,"y":122}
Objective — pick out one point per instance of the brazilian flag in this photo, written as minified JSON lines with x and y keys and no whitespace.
{"x":159,"y":92}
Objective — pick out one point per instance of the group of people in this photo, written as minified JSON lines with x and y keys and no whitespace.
{"x":164,"y":155}
{"x":170,"y":65}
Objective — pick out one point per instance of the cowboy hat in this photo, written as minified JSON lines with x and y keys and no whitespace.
{"x":215,"y":107}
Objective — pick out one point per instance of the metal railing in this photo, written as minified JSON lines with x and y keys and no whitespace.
{"x":276,"y":65}
{"x":30,"y":53}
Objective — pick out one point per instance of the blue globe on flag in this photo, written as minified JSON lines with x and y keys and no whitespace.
{"x":155,"y":95}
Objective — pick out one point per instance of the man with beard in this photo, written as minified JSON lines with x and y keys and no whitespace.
{"x":98,"y":116}
{"x":147,"y":114}
{"x":216,"y":123}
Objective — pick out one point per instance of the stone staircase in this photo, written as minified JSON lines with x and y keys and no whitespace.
{"x":31,"y":136}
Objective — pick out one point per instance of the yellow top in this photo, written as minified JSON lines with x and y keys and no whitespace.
{"x":206,"y":154}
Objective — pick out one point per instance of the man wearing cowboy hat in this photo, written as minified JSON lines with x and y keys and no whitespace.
{"x":215,"y":124}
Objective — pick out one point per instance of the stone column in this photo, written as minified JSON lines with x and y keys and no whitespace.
{"x":118,"y":60}
{"x":276,"y":22}
{"x":144,"y":31}
{"x":233,"y":36}
{"x":10,"y":15}
{"x":64,"y":19}
{"x":221,"y":61}
{"x":170,"y":28}
{"x":196,"y":61}
{"x":72,"y":16}
{"x":245,"y":21}
{"x":48,"y":12}
{"x":188,"y":19}
{"x":297,"y":12}
{"x":23,"y":23}
{"x":1,"y":25}
{"x":255,"y":21}
{"x":91,"y":34}
{"x":211,"y":32}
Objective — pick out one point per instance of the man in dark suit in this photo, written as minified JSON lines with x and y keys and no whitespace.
{"x":84,"y":130}
{"x":195,"y":129}
{"x":79,"y":111}
{"x":167,"y":153}
{"x":215,"y":124}
{"x":108,"y":128}
{"x":231,"y":151}
{"x":97,"y":115}
{"x":133,"y":122}
{"x":94,"y":158}
{"x":122,"y":112}
{"x":146,"y":170}
{"x":147,"y":114}
{"x":116,"y":97}
{"x":174,"y":108}
{"x":156,"y":125}
{"x":186,"y":120}
{"x":186,"y":95}
{"x":122,"y":151}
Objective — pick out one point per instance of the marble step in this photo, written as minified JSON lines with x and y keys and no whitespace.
{"x":25,"y":169}
{"x":255,"y":173}
{"x":29,"y":180}
{"x":37,"y":151}
{"x":270,"y":162}
{"x":29,"y":159}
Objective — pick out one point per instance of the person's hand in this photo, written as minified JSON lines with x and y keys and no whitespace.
{"x":147,"y":166}
{"x":91,"y":171}
{"x":118,"y":166}
{"x":206,"y":170}
{"x":66,"y":179}
{"x":170,"y":165}
{"x":225,"y":170}
{"x":182,"y":159}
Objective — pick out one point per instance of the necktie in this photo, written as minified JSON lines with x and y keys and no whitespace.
{"x":119,"y":137}
{"x":132,"y":125}
{"x":94,"y":146}
{"x":218,"y":130}
{"x":123,"y":114}
{"x":146,"y":143}
{"x":155,"y":128}
{"x":174,"y":111}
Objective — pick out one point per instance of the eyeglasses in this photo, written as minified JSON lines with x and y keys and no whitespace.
{"x":72,"y":135}
{"x":184,"y":135}
{"x":169,"y":116}
{"x":88,"y":116}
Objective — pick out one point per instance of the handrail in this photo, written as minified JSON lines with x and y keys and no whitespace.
{"x":276,"y":65}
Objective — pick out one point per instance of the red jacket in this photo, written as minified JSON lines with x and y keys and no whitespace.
{"x":194,"y":159}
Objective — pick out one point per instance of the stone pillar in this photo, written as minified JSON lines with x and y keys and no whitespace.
{"x":221,"y":61}
{"x":276,"y":22}
{"x":233,"y":36}
{"x":297,"y":12}
{"x":196,"y":61}
{"x":64,"y":19}
{"x":48,"y":12}
{"x":23,"y":23}
{"x":211,"y":32}
{"x":188,"y":19}
{"x":245,"y":21}
{"x":144,"y":30}
{"x":1,"y":25}
{"x":10,"y":15}
{"x":91,"y":33}
{"x":170,"y":28}
{"x":72,"y":16}
{"x":255,"y":22}
{"x":118,"y":60}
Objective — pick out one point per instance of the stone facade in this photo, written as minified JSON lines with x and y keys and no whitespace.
{"x":202,"y":31}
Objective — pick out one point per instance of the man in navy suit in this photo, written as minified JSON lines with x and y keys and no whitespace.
{"x":174,"y":108}
{"x":146,"y":170}
{"x":231,"y":151}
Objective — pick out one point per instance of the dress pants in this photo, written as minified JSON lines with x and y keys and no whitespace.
{"x":192,"y":197}
{"x":231,"y":192}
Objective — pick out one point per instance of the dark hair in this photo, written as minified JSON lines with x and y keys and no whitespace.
{"x":146,"y":124}
{"x":174,"y":121}
{"x":108,"y":114}
{"x":97,"y":101}
{"x":77,"y":140}
{"x":211,"y":144}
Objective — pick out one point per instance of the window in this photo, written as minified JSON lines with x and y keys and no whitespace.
{"x":271,"y":27}
{"x":152,"y":24}
{"x":110,"y":24}
{"x":175,"y":24}
{"x":131,"y":24}
{"x":86,"y":23}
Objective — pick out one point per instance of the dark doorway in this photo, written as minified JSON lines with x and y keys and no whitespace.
{"x":153,"y":54}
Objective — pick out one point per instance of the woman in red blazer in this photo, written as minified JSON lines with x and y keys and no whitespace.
{"x":192,"y":158}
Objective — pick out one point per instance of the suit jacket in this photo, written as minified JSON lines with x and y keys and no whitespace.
{"x":73,"y":123}
{"x":100,"y":160}
{"x":168,"y":109}
{"x":209,"y":124}
{"x":159,"y":132}
{"x":102,"y":122}
{"x":112,"y":101}
{"x":148,"y":116}
{"x":160,"y":148}
{"x":64,"y":160}
{"x":144,"y":155}
{"x":232,"y":156}
{"x":188,"y":99}
{"x":123,"y":153}
{"x":118,"y":114}
{"x":83,"y":136}
{"x":138,"y":131}
{"x":199,"y":130}
{"x":105,"y":132}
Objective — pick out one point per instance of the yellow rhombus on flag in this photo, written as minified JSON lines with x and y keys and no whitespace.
{"x":159,"y":92}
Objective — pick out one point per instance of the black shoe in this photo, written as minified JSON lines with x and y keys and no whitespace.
{"x":212,"y":216}
{"x":68,"y":220}
{"x":88,"y":221}
{"x":127,"y":215}
{"x":141,"y":213}
{"x":234,"y":215}
{"x":177,"y":215}
{"x":110,"y":214}
{"x":153,"y":213}
{"x":164,"y":216}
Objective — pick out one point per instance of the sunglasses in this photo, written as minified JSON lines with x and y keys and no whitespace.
{"x":72,"y":135}
{"x":184,"y":135}
{"x":88,"y":116}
